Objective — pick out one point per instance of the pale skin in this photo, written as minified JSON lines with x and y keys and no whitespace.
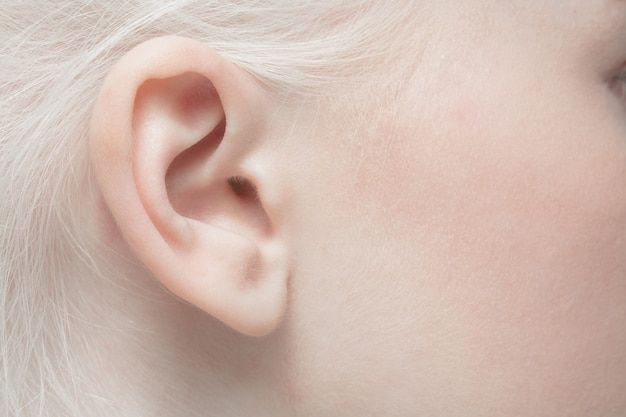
{"x":465,"y":255}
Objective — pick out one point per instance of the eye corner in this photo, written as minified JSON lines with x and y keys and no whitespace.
{"x":617,"y":82}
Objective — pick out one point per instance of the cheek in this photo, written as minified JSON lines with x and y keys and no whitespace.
{"x":470,"y":258}
{"x":524,"y":219}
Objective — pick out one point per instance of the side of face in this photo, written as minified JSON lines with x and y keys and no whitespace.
{"x":465,"y":254}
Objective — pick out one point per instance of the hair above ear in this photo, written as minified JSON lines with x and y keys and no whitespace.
{"x":171,"y":136}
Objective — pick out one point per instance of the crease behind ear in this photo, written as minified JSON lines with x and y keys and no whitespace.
{"x":172,"y":135}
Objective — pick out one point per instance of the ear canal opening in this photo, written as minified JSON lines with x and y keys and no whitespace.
{"x":247,"y":195}
{"x":232,"y":202}
{"x":243,"y":188}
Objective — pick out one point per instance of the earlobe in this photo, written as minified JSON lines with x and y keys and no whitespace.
{"x":171,"y":133}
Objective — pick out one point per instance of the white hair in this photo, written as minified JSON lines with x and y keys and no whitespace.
{"x":53,"y":58}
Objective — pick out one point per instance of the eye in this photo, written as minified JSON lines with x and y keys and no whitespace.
{"x":619,"y":85}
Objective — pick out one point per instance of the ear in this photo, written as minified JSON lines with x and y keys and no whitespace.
{"x":175,"y":136}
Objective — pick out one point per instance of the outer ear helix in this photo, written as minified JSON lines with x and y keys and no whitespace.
{"x":171,"y":116}
{"x":171,"y":130}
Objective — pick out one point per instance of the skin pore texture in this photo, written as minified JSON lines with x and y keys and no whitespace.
{"x":476,"y":264}
{"x":454,"y":246}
